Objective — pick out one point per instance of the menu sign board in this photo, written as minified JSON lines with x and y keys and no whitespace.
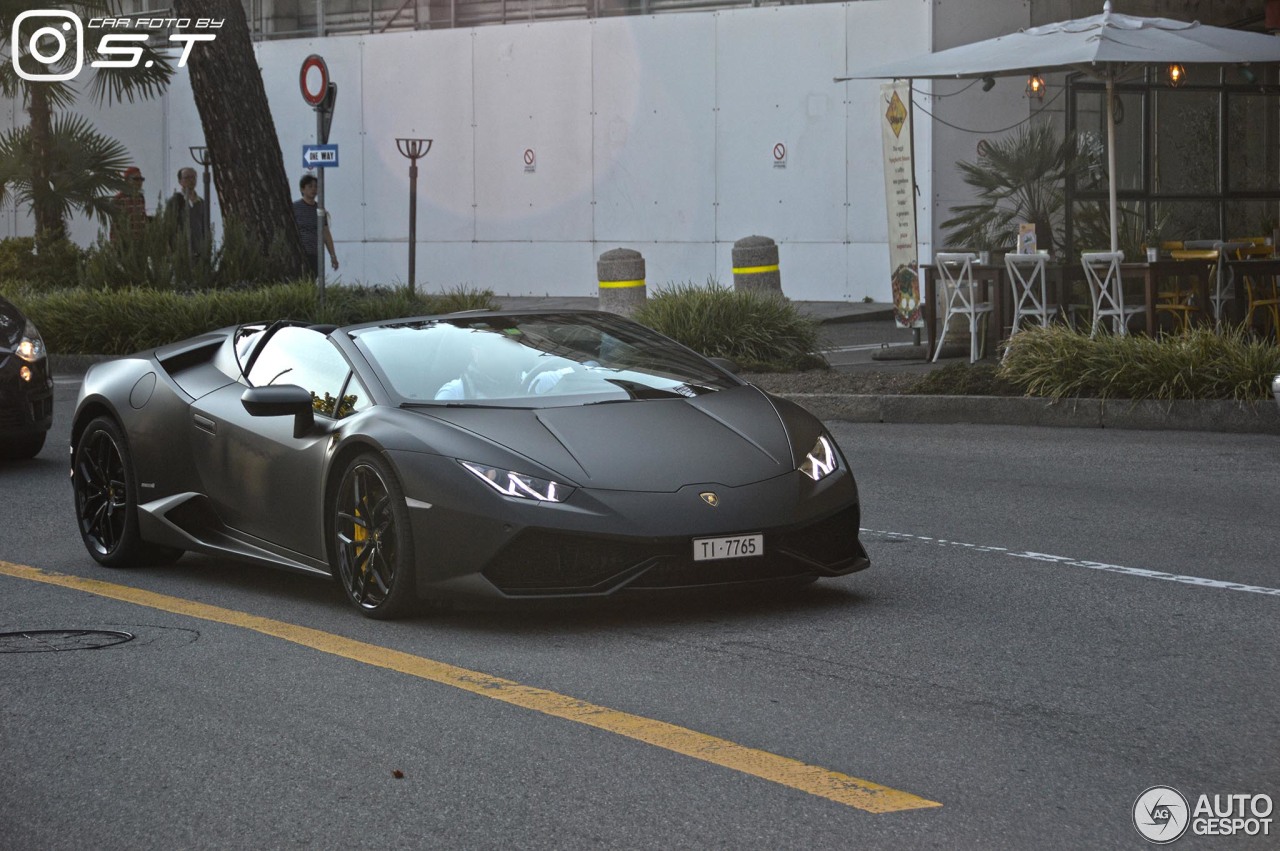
{"x":900,"y":195}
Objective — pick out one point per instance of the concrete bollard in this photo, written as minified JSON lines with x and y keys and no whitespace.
{"x":755,"y":265}
{"x":621,"y":275}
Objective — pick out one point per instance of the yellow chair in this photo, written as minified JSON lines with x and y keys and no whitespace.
{"x":1221,"y":290}
{"x":1179,"y":297}
{"x":1263,"y":294}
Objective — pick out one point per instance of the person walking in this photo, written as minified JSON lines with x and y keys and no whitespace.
{"x":306,"y":215}
{"x":188,"y":209}
{"x":130,"y":206}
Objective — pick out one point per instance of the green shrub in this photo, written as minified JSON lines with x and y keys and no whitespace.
{"x":240,"y":260}
{"x":158,"y":258}
{"x":119,"y":322}
{"x":54,"y":264}
{"x":1061,"y":363}
{"x":762,"y":332}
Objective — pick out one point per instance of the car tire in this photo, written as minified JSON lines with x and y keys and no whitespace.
{"x":106,"y":496}
{"x":372,"y":544}
{"x":21,"y":448}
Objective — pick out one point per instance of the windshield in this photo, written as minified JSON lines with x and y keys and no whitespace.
{"x":534,"y":360}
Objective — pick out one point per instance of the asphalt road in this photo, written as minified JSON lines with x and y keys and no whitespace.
{"x":1055,"y":620}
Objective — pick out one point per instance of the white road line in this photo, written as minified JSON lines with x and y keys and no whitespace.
{"x":1067,"y":561}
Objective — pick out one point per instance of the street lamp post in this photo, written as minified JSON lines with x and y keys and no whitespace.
{"x":413,"y":149}
{"x":201,"y":155}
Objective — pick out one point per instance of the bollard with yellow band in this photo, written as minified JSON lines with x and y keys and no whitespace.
{"x":621,"y":276}
{"x":755,"y":265}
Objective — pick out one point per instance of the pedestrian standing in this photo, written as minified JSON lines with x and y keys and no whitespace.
{"x":306,"y":214}
{"x":130,"y":206}
{"x":188,"y":209}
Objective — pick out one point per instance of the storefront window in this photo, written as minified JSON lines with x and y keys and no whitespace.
{"x":1198,"y":162}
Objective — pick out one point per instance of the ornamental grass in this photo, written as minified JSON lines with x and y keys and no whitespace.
{"x":1059,"y":363}
{"x":761,"y":332}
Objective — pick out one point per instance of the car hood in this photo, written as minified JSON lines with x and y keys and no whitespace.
{"x":731,"y":437}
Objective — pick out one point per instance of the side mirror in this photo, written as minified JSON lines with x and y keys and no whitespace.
{"x":725,"y":364}
{"x":281,"y":401}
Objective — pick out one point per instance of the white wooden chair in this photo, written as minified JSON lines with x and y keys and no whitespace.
{"x":959,"y":293}
{"x":1030,"y":292}
{"x":1102,"y":272}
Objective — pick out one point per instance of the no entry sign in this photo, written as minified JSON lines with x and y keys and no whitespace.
{"x":314,"y":79}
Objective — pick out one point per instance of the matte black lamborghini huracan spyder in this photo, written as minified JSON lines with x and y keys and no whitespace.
{"x":538,"y":454}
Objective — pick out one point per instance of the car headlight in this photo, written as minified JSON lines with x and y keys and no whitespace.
{"x":31,"y":346}
{"x":821,"y":460}
{"x":519,"y":485}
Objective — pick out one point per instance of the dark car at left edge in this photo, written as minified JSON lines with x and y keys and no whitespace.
{"x":26,"y":385}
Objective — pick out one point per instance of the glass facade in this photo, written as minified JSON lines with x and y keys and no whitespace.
{"x":1201,"y":161}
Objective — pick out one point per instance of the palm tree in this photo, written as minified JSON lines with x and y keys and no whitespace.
{"x":58,"y":162}
{"x":1020,"y":178}
{"x":80,"y":169}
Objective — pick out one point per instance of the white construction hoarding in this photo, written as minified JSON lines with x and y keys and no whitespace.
{"x":674,"y":135}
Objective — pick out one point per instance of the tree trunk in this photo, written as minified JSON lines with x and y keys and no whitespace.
{"x":48,"y":216}
{"x":248,"y":168}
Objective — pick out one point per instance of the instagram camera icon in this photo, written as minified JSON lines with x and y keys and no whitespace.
{"x":58,"y":25}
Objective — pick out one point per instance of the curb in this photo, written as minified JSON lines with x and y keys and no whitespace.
{"x":1208,"y":415}
{"x":878,"y":315}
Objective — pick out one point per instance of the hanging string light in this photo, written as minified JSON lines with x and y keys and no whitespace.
{"x":1177,"y":75}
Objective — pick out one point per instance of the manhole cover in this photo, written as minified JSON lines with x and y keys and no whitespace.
{"x":57,"y":640}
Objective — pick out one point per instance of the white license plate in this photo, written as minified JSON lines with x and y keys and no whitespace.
{"x":736,"y":546}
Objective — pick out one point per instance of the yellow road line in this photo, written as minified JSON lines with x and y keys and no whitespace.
{"x":841,"y":788}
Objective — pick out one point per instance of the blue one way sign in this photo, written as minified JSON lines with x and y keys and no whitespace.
{"x":319,"y":156}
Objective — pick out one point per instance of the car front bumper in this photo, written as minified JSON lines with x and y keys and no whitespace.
{"x":472,"y":543}
{"x":26,"y":406}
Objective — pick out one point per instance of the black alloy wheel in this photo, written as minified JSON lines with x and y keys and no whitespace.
{"x":107,"y":501}
{"x":373,"y":546}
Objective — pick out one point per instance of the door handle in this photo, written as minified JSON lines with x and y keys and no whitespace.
{"x":205,"y":424}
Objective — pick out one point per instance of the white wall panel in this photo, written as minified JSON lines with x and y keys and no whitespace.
{"x":652,"y":133}
{"x":868,"y":271}
{"x":419,"y":85}
{"x":536,"y":268}
{"x":774,"y":69}
{"x":668,"y":263}
{"x":813,"y":271}
{"x":877,"y":33}
{"x":533,"y":93}
{"x":655,"y":128}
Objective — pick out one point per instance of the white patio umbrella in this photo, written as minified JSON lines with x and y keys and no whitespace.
{"x":1109,"y":47}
